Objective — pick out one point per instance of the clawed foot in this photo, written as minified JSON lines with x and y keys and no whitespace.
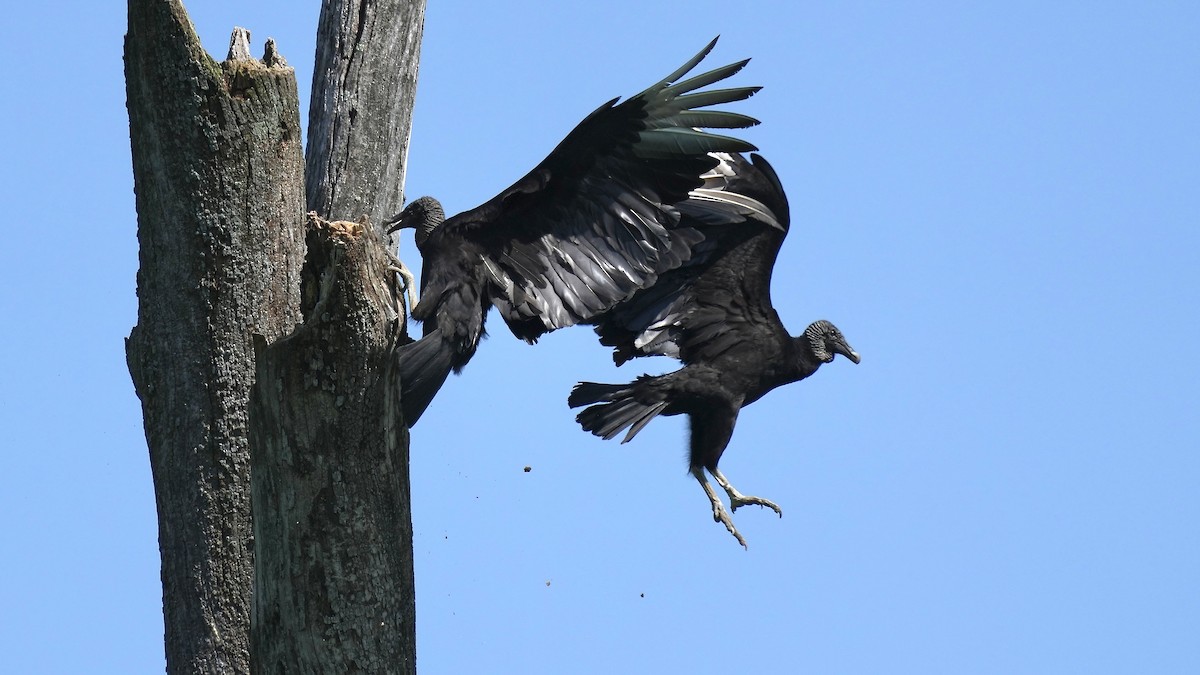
{"x":408,"y":282}
{"x":737,"y":499}
{"x":721,"y":516}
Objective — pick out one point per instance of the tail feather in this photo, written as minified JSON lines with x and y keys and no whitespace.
{"x":618,"y":408}
{"x":423,"y":367}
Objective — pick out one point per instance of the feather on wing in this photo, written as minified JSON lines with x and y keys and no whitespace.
{"x":596,"y":219}
{"x":720,"y":296}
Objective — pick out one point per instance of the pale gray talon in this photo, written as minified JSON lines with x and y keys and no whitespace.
{"x":408,"y":281}
{"x":720,"y":516}
{"x":737,"y":499}
{"x":719,"y":513}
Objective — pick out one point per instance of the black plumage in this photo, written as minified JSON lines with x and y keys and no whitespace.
{"x":585,"y":229}
{"x":714,"y":313}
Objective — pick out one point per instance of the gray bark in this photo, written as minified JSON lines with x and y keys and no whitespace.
{"x":332,"y":517}
{"x":333,"y":523}
{"x":218,"y":176}
{"x":360,"y":116}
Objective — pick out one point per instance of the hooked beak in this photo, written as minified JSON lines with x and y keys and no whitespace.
{"x":847,"y":352}
{"x":396,"y":222}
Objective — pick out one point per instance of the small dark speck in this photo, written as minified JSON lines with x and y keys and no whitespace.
{"x":528,"y":469}
{"x":547,"y":582}
{"x":643,"y":595}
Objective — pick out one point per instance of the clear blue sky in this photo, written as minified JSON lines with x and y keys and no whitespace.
{"x":996,"y":202}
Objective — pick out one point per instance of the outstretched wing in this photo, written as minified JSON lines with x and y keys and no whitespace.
{"x":596,"y":220}
{"x":721,"y":296}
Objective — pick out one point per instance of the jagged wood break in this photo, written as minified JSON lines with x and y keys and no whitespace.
{"x":218,"y":175}
{"x":332,"y":521}
{"x":220,"y":188}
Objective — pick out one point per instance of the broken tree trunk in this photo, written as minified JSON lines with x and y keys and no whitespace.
{"x":332,"y":519}
{"x":217,"y":171}
{"x":218,"y":176}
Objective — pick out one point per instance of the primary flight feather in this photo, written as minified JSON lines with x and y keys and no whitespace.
{"x":587,"y":228}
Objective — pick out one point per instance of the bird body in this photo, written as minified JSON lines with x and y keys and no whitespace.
{"x":587,"y":228}
{"x":714,"y":313}
{"x":453,"y":296}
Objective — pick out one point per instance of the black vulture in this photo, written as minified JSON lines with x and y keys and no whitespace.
{"x":714,"y":313}
{"x":590,"y":225}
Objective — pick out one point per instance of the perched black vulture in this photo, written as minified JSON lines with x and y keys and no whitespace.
{"x":590,"y":225}
{"x":714,"y":313}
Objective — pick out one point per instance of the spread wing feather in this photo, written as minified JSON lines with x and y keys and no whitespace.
{"x":597,"y":219}
{"x":719,"y":297}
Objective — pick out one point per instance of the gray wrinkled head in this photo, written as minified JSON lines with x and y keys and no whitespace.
{"x":827,"y":341}
{"x":423,"y":215}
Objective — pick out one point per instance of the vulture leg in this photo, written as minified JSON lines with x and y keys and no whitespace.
{"x":408,"y":281}
{"x":720,"y":515}
{"x":737,"y":499}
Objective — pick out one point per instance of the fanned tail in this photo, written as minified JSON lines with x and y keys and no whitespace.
{"x":423,"y":367}
{"x":618,"y":409}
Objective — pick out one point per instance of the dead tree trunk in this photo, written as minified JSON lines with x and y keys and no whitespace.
{"x":360,"y":115}
{"x":220,"y":200}
{"x":216,"y":157}
{"x":333,"y":519}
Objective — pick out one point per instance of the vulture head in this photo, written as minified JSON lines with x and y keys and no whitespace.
{"x":827,"y":341}
{"x":423,"y":215}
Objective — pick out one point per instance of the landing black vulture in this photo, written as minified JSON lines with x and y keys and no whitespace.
{"x":590,"y":225}
{"x":714,"y":313}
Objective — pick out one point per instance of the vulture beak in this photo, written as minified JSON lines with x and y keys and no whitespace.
{"x":396,"y":222}
{"x":847,"y":352}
